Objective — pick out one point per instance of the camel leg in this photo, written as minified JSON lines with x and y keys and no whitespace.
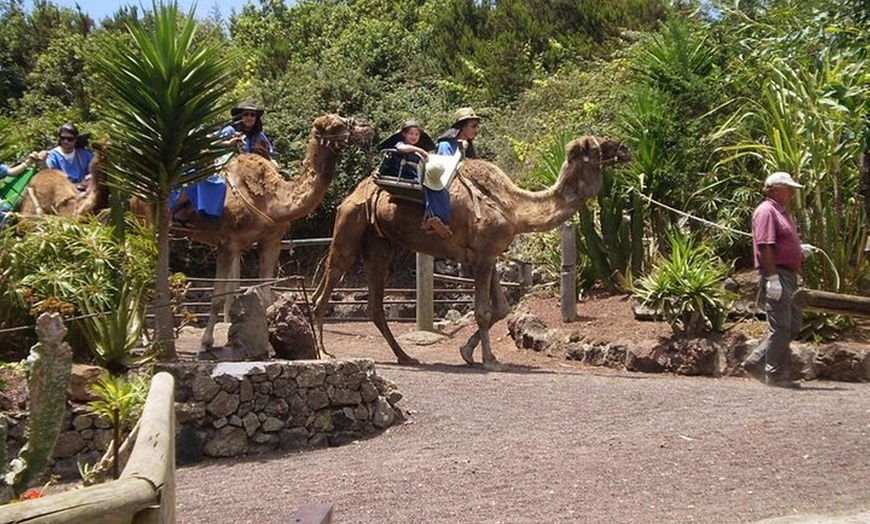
{"x":267,"y":260}
{"x":337,"y":263}
{"x":500,"y":309}
{"x":483,"y":277}
{"x":378,"y":253}
{"x":347,"y":234}
{"x":225,"y":257}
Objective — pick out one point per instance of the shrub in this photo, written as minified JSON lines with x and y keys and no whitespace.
{"x":687,"y":288}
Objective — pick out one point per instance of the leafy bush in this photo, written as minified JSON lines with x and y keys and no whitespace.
{"x":687,"y":288}
{"x":55,"y":264}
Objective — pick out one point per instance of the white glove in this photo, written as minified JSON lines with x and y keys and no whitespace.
{"x":773,"y":291}
{"x":808,"y":249}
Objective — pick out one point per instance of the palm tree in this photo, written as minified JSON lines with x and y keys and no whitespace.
{"x":163,"y":88}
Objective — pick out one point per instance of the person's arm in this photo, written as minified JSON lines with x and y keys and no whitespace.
{"x":768,"y":260}
{"x":408,"y":148}
{"x":31,"y":159}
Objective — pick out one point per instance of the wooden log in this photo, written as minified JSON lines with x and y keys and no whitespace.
{"x":837,"y":303}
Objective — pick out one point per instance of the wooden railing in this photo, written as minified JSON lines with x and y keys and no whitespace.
{"x":145,"y":491}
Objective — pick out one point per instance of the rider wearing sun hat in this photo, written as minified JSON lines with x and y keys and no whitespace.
{"x":466,"y":124}
{"x":247,"y":130}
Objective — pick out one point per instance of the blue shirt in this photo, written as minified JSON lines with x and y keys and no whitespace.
{"x":250,"y":140}
{"x":75,"y":169}
{"x":4,"y":170}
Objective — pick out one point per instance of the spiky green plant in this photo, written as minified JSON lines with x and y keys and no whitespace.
{"x":162,"y":94}
{"x":686,"y":287}
{"x":114,"y":329}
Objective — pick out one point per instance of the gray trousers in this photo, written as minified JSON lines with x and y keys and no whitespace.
{"x":784,"y":324}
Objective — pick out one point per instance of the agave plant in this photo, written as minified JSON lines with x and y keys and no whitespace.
{"x":686,"y":287}
{"x":114,"y":329}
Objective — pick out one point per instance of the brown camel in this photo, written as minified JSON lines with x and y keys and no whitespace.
{"x":487,"y":212}
{"x":260,"y":205}
{"x":50,"y":192}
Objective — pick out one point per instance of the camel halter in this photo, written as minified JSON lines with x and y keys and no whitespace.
{"x":336,"y":141}
{"x":600,"y":163}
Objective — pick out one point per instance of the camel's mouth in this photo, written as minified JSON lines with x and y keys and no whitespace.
{"x":363,"y":131}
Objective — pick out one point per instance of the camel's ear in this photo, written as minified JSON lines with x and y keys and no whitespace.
{"x":591,"y":149}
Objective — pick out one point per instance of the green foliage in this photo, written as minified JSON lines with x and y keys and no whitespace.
{"x":120,"y":400}
{"x":163,"y":94}
{"x":687,"y":288}
{"x":54,"y":263}
{"x":113,"y":330}
{"x":823,"y":327}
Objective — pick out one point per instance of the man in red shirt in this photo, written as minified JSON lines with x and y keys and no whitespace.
{"x":778,"y":256}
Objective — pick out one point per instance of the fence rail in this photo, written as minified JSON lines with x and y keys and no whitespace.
{"x":145,"y":492}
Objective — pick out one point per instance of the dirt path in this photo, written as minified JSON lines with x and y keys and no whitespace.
{"x":552,"y":441}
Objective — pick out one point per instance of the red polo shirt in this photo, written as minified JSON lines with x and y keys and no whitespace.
{"x":771,"y":225}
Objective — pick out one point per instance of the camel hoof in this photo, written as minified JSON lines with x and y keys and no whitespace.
{"x":408,"y":361}
{"x":467,"y":354}
{"x":494,"y":365}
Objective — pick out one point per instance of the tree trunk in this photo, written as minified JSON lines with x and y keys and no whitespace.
{"x":164,"y":339}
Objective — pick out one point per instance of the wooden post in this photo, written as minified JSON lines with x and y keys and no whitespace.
{"x":425,"y":293}
{"x":568,"y":281}
{"x":313,"y":514}
{"x":232,"y":286}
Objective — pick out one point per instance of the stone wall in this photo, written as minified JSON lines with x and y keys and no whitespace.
{"x":83,"y":436}
{"x":237,"y":408}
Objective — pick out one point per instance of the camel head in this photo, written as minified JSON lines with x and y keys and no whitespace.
{"x":338,"y":133}
{"x":586,"y":156}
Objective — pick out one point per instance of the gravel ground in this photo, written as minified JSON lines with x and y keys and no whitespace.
{"x":548,"y":440}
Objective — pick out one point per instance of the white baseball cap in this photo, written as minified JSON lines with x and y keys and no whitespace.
{"x":781,"y":178}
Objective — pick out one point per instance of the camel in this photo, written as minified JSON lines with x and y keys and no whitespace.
{"x":50,"y":192}
{"x":260,"y":205}
{"x":487,"y":210}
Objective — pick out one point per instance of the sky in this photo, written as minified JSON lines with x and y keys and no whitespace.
{"x":99,"y":9}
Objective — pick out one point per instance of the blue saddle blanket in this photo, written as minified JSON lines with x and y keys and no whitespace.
{"x":206,"y":196}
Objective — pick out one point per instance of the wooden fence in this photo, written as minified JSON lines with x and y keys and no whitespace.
{"x":145,"y":491}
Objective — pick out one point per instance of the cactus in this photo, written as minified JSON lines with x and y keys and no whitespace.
{"x":50,"y":365}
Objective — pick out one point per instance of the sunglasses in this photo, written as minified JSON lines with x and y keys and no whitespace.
{"x":247,"y":113}
{"x":67,"y":138}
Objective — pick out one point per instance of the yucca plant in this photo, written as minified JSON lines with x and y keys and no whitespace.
{"x":120,"y":400}
{"x":163,"y":91}
{"x":686,"y":287}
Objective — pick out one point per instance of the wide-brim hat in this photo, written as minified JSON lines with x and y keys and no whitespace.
{"x":462,"y":114}
{"x":781,"y":178}
{"x":246,"y":106}
{"x":425,"y":143}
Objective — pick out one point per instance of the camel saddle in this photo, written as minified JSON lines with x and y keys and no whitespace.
{"x":437,"y":174}
{"x":13,"y":188}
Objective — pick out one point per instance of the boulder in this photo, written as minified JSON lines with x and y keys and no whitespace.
{"x":81,"y":379}
{"x":249,"y":332}
{"x":290,"y":331}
